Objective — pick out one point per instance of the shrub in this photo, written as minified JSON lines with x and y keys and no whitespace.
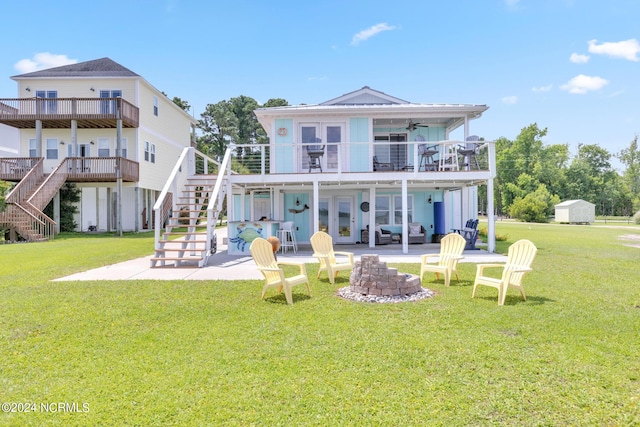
{"x":483,"y":232}
{"x":636,"y":218}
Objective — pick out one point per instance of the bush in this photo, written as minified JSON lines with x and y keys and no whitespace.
{"x":636,"y":218}
{"x":483,"y":232}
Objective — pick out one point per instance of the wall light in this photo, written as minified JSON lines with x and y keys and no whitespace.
{"x":429,"y":200}
{"x":92,"y":89}
{"x":28,"y":89}
{"x":91,"y":142}
{"x":61,"y":142}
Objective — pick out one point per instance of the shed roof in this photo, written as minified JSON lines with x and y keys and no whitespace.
{"x":568,"y":203}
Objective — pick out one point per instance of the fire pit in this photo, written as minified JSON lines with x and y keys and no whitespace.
{"x":372,"y":281}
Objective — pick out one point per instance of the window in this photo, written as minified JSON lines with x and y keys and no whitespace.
{"x":33,"y":148}
{"x":382,"y":210}
{"x":153,"y":153}
{"x":49,"y":102}
{"x":155,"y":105}
{"x":103,"y":147}
{"x":146,"y":151}
{"x":123,"y":147}
{"x":52,"y":148}
{"x":385,"y":205}
{"x":397,"y":209}
{"x":392,"y":153}
{"x":109,"y":106}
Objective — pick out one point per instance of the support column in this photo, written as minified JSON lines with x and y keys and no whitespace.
{"x":372,"y":217}
{"x":316,"y":207}
{"x":39,"y":138}
{"x":119,"y":174}
{"x":405,"y":218}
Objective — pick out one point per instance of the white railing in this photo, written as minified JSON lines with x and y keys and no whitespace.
{"x":347,"y":157}
{"x":215,"y":201}
{"x":191,"y":162}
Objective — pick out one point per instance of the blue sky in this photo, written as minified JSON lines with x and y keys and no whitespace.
{"x":572,"y":66}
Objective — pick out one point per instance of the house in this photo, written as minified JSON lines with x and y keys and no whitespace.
{"x":9,"y":144}
{"x":100,"y":126}
{"x":575,"y":212}
{"x":359,"y":162}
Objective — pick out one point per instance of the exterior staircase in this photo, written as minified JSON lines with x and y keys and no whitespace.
{"x":185,"y":241}
{"x":23,"y":215}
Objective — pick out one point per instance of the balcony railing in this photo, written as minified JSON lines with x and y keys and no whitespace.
{"x":354,"y":157}
{"x":77,"y":169}
{"x":95,"y":169}
{"x":89,"y":113}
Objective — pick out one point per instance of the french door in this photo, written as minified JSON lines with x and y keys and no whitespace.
{"x":326,"y":135}
{"x":337,"y":218}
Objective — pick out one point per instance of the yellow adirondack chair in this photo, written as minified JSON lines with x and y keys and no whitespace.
{"x":262,"y":253}
{"x":519,"y":259}
{"x":322,"y":245}
{"x":451,"y":248}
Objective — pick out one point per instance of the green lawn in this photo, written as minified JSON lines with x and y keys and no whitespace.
{"x":180,"y":353}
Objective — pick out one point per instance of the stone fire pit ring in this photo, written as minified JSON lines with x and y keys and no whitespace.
{"x":372,"y":281}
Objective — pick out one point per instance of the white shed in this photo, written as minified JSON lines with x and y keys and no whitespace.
{"x":576,"y":212}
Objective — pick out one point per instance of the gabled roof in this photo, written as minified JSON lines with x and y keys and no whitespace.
{"x":365,"y":96}
{"x":567,"y":203}
{"x":103,"y":67}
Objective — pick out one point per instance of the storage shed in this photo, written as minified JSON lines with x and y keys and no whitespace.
{"x":575,"y":212}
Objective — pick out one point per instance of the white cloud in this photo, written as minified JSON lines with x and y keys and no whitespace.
{"x":509,"y":100}
{"x":581,"y":84}
{"x":370,"y":32}
{"x":546,"y":88}
{"x":43,"y":61}
{"x":576,"y":58}
{"x":627,"y":49}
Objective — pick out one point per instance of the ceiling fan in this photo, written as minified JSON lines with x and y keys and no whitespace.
{"x":412,"y":125}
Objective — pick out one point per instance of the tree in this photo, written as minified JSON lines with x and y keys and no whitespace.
{"x":630,"y":157}
{"x":219,"y":128}
{"x":182,"y":103}
{"x":534,"y":207}
{"x":69,"y":197}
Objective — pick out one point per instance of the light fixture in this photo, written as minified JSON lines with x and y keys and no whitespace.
{"x":297,"y":202}
{"x":91,"y":142}
{"x":61,"y":142}
{"x":28,"y":89}
{"x":92,"y":89}
{"x":429,"y":200}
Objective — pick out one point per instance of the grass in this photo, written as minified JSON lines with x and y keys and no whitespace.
{"x":162,"y":353}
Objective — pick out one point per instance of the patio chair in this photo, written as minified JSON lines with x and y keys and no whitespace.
{"x":322,"y":245}
{"x":451,"y":248}
{"x":469,"y":232}
{"x":469,"y":153}
{"x":274,"y":277}
{"x":416,"y":233}
{"x":315,"y":153}
{"x":519,"y":259}
{"x":383,"y":237}
{"x":382,"y":167}
{"x":426,"y":154}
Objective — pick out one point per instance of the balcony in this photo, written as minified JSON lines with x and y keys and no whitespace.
{"x":434,"y":161}
{"x":77,"y":169}
{"x":57,"y":113}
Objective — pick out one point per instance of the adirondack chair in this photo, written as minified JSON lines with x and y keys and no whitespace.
{"x":451,"y":248}
{"x":274,"y":277}
{"x":519,"y":259}
{"x":469,"y":232}
{"x":322,"y":245}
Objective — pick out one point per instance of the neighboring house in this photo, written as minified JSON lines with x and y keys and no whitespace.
{"x":575,"y":211}
{"x":364,"y":159}
{"x":9,"y":141}
{"x":100,"y":126}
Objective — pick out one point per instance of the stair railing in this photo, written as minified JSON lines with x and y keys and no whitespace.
{"x":215,"y":199}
